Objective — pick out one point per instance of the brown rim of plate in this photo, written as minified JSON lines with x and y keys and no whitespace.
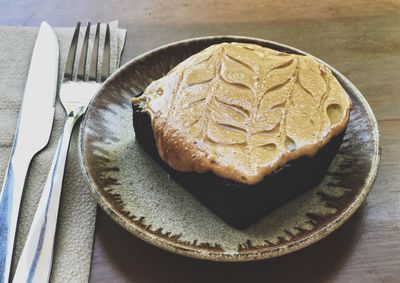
{"x":250,"y":254}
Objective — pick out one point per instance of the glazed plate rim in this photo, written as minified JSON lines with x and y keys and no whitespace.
{"x":248,"y":255}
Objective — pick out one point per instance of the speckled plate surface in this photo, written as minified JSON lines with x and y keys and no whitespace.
{"x":136,"y":192}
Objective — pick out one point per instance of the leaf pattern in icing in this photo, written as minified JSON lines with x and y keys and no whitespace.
{"x":242,"y":110}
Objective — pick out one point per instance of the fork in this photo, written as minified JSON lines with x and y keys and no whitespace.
{"x":76,"y":91}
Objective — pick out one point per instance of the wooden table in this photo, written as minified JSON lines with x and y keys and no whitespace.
{"x":360,"y":38}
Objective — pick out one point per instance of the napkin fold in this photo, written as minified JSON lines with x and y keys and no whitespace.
{"x":77,"y":215}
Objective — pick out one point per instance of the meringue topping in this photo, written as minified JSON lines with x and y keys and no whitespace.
{"x":242,"y":111}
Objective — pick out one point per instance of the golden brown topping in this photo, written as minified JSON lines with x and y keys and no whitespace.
{"x":242,"y":110}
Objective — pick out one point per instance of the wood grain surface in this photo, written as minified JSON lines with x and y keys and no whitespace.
{"x":360,"y":38}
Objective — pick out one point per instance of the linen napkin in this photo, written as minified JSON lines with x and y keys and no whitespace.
{"x":77,"y":215}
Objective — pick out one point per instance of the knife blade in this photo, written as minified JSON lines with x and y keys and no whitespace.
{"x":32,"y":134}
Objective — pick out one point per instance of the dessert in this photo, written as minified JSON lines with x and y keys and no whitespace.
{"x":242,"y":127}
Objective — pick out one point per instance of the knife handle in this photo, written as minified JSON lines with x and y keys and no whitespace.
{"x":10,"y":199}
{"x":37,"y":255}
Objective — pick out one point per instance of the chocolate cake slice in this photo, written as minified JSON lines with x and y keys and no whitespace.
{"x":243,"y":128}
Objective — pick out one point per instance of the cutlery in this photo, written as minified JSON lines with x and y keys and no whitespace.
{"x":76,"y":91}
{"x":32,"y":134}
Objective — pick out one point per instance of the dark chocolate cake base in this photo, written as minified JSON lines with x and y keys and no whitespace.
{"x":238,"y":204}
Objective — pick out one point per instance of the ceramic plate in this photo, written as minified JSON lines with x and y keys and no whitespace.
{"x":136,"y":192}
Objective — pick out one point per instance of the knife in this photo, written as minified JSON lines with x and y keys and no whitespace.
{"x":32,"y":134}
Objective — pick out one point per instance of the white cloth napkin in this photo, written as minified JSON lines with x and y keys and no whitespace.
{"x":77,"y":216}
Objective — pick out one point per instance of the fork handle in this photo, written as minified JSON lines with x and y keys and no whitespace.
{"x":37,"y":255}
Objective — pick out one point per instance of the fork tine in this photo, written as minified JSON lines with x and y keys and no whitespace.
{"x":93,"y":62}
{"x":82,"y":61}
{"x":69,"y":66}
{"x":105,"y":72}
